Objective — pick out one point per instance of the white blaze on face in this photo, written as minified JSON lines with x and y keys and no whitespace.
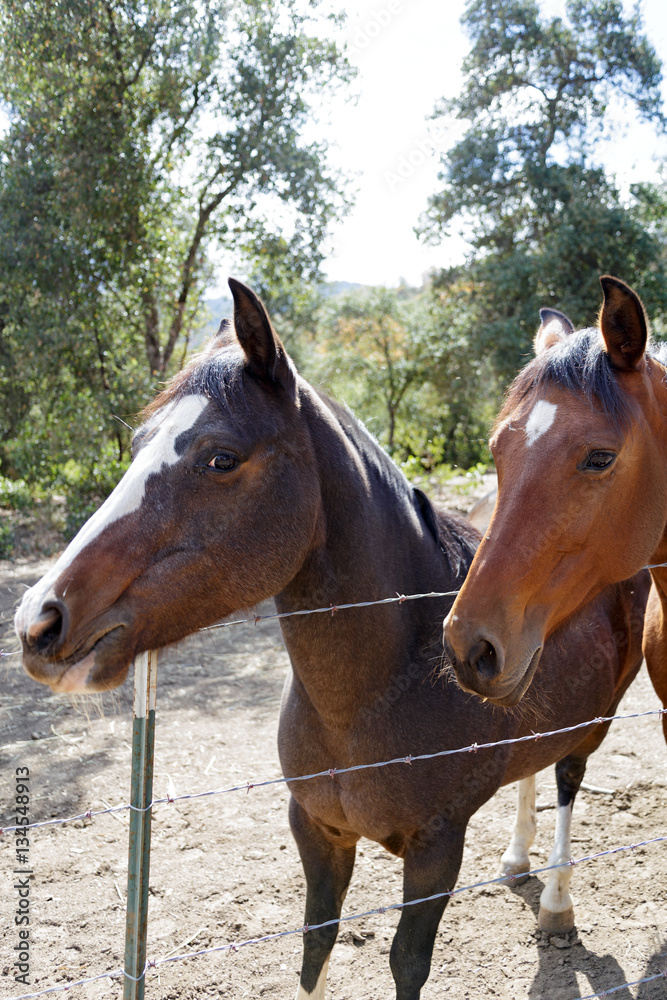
{"x":158,"y":451}
{"x":540,"y":420}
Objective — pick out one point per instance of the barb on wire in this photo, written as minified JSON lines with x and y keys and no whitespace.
{"x":330,"y":772}
{"x":68,"y":986}
{"x":151,"y":965}
{"x":235,"y":946}
{"x":501,"y":879}
{"x":399,"y":599}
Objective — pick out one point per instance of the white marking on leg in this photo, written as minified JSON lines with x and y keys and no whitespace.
{"x":555,"y":896}
{"x":318,"y":992}
{"x":515,"y":860}
{"x":159,"y":451}
{"x":540,"y":420}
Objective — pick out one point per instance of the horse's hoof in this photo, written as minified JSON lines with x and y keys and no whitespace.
{"x":556,"y":923}
{"x":514,"y":874}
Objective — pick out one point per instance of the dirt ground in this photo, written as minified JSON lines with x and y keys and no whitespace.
{"x":225,"y":868}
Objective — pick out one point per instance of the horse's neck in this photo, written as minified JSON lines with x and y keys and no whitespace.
{"x":371,"y":544}
{"x":654,"y":406}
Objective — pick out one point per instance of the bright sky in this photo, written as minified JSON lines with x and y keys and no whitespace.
{"x":409,"y":54}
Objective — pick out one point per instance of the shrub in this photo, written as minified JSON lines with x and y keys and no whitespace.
{"x":6,"y":541}
{"x":86,"y":489}
{"x":15,"y":494}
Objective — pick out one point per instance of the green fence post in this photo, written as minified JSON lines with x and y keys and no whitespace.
{"x":143,"y":740}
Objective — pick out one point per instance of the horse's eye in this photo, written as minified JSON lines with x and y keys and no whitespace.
{"x":599,"y":460}
{"x":223,"y":462}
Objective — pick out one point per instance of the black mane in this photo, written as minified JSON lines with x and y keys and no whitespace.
{"x":579,"y":364}
{"x":218,"y":373}
{"x":222,"y":378}
{"x":454,"y":536}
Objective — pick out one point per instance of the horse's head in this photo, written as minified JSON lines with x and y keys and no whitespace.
{"x":216,"y":512}
{"x":580,"y":447}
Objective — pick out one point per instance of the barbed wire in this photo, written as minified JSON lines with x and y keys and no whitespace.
{"x":235,"y":946}
{"x":332,"y":608}
{"x":400,"y":599}
{"x":331,"y":772}
{"x":121,"y":972}
{"x":624,"y":986}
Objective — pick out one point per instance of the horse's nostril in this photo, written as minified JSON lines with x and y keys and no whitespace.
{"x":47,"y":630}
{"x":484,"y":659}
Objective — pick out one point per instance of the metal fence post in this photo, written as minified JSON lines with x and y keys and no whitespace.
{"x":143,"y":740}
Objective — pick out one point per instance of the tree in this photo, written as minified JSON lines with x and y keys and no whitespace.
{"x":542,"y":217}
{"x":402,"y":366}
{"x":143,"y":136}
{"x":374,"y":341}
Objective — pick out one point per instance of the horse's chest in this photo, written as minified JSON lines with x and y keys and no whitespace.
{"x":306,"y":747}
{"x":386,"y":804}
{"x":347,"y":807}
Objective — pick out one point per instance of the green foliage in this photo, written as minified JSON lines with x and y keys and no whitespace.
{"x":293,"y":304}
{"x":15,"y":494}
{"x":6,"y":540}
{"x":147,"y":135}
{"x":85,"y":488}
{"x":143,"y":135}
{"x":81,"y":505}
{"x":543,"y":220}
{"x":397,"y":362}
{"x":378,"y":345}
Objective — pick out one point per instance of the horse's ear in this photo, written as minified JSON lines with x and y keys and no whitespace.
{"x":554,"y":328}
{"x":623,"y":323}
{"x":261,"y":344}
{"x":225,"y":334}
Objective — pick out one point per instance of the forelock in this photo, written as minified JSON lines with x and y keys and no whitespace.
{"x":218,"y":375}
{"x":579,"y":364}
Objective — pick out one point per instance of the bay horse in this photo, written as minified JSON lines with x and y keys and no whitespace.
{"x":580,"y":447}
{"x":247,"y":483}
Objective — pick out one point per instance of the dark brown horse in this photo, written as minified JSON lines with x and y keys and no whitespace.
{"x":581,"y":451}
{"x":247,"y":483}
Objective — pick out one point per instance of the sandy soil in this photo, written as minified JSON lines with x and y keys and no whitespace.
{"x":224,"y":868}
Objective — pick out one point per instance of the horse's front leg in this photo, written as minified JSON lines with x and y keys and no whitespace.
{"x":515,"y":861}
{"x":556,"y":909}
{"x":431,"y":866}
{"x":328,"y":869}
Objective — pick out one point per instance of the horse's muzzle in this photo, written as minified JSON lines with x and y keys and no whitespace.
{"x":480,"y":666}
{"x":45,"y":633}
{"x":51,"y":655}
